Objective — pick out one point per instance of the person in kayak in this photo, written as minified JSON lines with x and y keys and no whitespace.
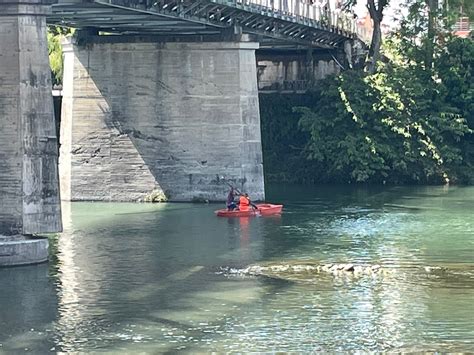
{"x":231,"y":205}
{"x":244,"y":202}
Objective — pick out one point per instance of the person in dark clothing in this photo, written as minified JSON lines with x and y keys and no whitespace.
{"x":231,"y":205}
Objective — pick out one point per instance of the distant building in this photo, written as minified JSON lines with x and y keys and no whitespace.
{"x":462,"y":28}
{"x":365,"y":27}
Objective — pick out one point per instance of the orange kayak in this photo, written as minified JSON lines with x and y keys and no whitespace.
{"x":263,"y":209}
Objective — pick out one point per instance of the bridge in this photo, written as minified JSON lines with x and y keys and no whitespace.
{"x":274,"y":22}
{"x":160,"y":98}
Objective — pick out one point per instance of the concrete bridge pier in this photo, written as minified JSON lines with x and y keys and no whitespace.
{"x":142,"y":117}
{"x":29,"y":188}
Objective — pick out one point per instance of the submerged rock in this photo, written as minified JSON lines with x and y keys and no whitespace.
{"x":307,"y":270}
{"x":312,"y":271}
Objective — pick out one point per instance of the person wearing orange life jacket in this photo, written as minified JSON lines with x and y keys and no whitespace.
{"x":244,"y":202}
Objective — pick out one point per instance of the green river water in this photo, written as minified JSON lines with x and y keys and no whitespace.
{"x":142,"y":278}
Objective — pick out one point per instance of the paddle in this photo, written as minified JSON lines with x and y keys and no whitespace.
{"x":236,"y":189}
{"x":254,"y":206}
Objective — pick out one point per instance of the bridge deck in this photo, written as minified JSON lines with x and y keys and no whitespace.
{"x":291,"y":21}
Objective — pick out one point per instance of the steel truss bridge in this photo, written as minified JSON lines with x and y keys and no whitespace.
{"x":275,"y":23}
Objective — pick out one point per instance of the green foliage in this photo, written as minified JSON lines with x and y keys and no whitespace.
{"x":462,"y":7}
{"x":55,"y":36}
{"x":402,"y":125}
{"x":155,"y":196}
{"x":411,"y":122}
{"x":388,"y":127}
{"x":455,"y":69}
{"x":55,"y":58}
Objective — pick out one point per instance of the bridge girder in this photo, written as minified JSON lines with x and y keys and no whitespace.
{"x":198,"y":17}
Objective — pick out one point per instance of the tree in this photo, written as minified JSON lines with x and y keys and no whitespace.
{"x":375,"y":8}
{"x":461,"y":8}
{"x":455,"y":70}
{"x":411,"y":121}
{"x":55,"y":36}
{"x":388,"y":127}
{"x":432,"y":6}
{"x":376,"y":14}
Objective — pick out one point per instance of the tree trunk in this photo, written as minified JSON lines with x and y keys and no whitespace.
{"x":376,"y":14}
{"x":432,"y":14}
{"x":374,"y":51}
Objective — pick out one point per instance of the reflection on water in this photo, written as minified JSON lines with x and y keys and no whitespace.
{"x":140,"y":277}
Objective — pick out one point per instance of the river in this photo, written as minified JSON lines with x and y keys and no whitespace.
{"x":131,"y":278}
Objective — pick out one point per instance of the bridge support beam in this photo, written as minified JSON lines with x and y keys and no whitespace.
{"x":171,"y":118}
{"x":29,"y":188}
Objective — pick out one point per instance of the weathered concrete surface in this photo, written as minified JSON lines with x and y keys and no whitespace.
{"x":171,"y":117}
{"x":29,"y":188}
{"x":20,"y":250}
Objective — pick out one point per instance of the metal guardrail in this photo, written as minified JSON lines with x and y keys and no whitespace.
{"x":305,"y":9}
{"x":295,"y":20}
{"x":293,"y":86}
{"x":292,"y":21}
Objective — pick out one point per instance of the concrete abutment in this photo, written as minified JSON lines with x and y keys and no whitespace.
{"x":172,"y":117}
{"x":29,"y":187}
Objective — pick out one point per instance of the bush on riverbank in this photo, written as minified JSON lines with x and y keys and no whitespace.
{"x":403,"y":124}
{"x":155,"y":196}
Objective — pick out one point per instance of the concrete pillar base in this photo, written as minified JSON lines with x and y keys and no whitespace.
{"x":29,"y":181}
{"x":22,"y":250}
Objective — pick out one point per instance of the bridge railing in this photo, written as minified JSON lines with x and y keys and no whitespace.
{"x":285,"y":86}
{"x":307,"y":9}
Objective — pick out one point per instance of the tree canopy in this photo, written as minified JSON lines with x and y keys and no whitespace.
{"x":411,"y":121}
{"x":55,"y":36}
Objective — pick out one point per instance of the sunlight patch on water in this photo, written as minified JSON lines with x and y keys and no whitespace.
{"x":375,"y":224}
